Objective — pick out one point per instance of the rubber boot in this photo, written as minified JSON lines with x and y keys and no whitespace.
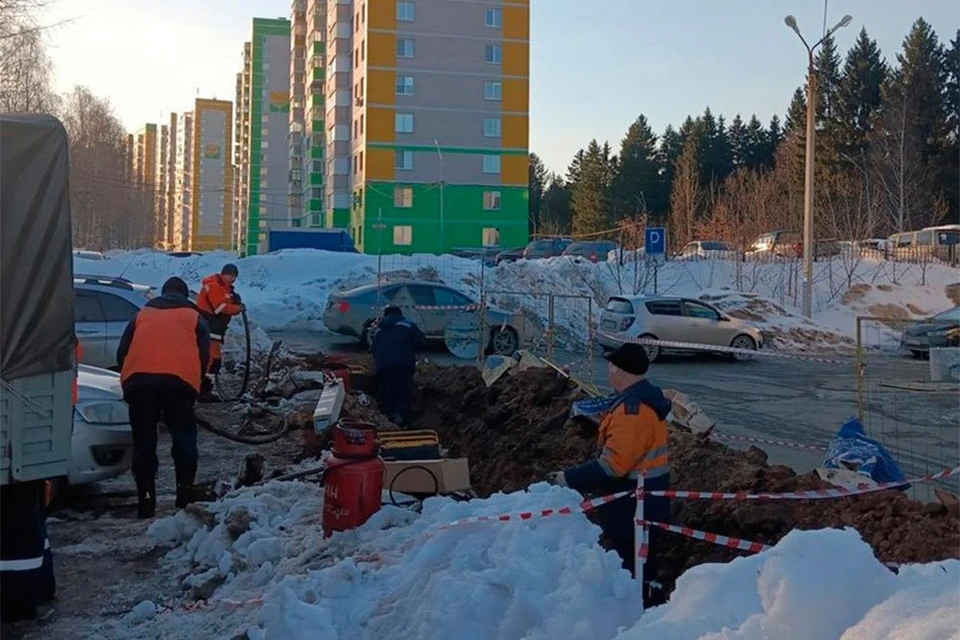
{"x":146,"y":498}
{"x":206,"y":391}
{"x":186,"y":492}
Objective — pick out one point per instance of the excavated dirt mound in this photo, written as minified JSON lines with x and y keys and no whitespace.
{"x":517,"y":431}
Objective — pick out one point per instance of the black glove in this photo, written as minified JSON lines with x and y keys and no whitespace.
{"x":236,"y":298}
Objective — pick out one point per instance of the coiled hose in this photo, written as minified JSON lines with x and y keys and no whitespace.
{"x":246,"y":366}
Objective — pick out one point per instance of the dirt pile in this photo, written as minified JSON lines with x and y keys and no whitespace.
{"x":517,"y":431}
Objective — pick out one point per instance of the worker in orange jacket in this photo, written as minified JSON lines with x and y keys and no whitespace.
{"x":163,"y":356}
{"x":632,"y":442}
{"x":219,"y":303}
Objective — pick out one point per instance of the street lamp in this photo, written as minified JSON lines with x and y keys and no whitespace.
{"x":808,"y":246}
{"x":439,"y":153}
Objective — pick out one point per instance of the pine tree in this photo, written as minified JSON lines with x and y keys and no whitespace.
{"x":797,"y":113}
{"x":757,"y":149}
{"x":573,"y":171}
{"x":671,"y":146}
{"x":775,"y":133}
{"x":537,"y":186}
{"x":739,"y":144}
{"x":556,"y":217}
{"x":858,"y":95}
{"x":826,"y":64}
{"x":590,"y":194}
{"x":951,"y":158}
{"x":715,"y":156}
{"x":637,"y":184}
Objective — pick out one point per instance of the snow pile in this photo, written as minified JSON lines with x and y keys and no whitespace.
{"x":260,"y":557}
{"x":288,"y":290}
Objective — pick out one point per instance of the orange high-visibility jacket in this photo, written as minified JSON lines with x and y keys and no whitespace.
{"x":216,"y":303}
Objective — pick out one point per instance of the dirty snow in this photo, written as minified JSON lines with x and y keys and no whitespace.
{"x":260,"y":557}
{"x":288,"y":290}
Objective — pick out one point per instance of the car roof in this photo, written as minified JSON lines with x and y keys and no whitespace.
{"x":109,"y":282}
{"x":650,"y":298}
{"x":396,"y":283}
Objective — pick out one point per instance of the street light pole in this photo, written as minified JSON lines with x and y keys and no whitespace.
{"x":439,"y":153}
{"x":808,"y":239}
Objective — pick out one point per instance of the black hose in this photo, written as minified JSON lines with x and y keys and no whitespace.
{"x":436,"y":485}
{"x":254,"y":440}
{"x":246,"y":366}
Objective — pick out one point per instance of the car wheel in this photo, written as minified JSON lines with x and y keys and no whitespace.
{"x":653,"y":351}
{"x":743,"y":341}
{"x":504,"y":341}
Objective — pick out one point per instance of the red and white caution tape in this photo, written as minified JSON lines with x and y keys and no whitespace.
{"x":696,"y":346}
{"x":583,"y":507}
{"x":723,"y":541}
{"x":815,"y":494}
{"x":443,"y":307}
{"x":780,"y":443}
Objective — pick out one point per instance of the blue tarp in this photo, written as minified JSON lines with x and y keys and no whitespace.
{"x":853,"y":449}
{"x":592,"y":408}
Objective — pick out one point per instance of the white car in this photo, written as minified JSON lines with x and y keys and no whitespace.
{"x":707,"y":250}
{"x":102,"y":443}
{"x":673,"y":319}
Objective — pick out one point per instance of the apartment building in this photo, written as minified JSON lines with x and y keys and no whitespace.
{"x":241,"y":152}
{"x":170,"y":183}
{"x":427,"y":123}
{"x":211,"y":179}
{"x":183,"y":188}
{"x":264,"y":154}
{"x":144,"y":157}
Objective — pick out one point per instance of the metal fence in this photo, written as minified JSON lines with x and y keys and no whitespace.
{"x":915,"y":418}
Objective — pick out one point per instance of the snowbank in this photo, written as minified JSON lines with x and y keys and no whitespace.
{"x":259,"y":556}
{"x":288,"y":290}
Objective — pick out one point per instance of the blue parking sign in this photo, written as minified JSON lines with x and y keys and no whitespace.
{"x":655,"y":241}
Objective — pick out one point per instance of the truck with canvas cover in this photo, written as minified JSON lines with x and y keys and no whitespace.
{"x":37,"y":349}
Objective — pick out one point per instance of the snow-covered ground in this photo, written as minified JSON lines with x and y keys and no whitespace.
{"x":260,"y":558}
{"x":288,"y":290}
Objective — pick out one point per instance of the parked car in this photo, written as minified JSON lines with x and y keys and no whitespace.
{"x":88,"y":255}
{"x":102,"y":307}
{"x":487,"y":255}
{"x":942,"y":330}
{"x":676,"y":320}
{"x":432,"y":306}
{"x":592,"y":250}
{"x":546,"y":248}
{"x":510,"y":255}
{"x":789,"y":244}
{"x":706,"y":250}
{"x":102,"y":442}
{"x":876,"y":248}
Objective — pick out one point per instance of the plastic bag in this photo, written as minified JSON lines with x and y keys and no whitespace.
{"x":852,"y":449}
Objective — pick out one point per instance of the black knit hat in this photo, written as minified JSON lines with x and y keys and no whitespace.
{"x":392,"y":311}
{"x":230,"y":270}
{"x":177,"y":286}
{"x":631,"y":358}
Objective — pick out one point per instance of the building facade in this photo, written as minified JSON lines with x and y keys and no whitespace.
{"x":211,"y":193}
{"x":264,"y":154}
{"x":170,"y":183}
{"x":434,"y":129}
{"x":241,"y":152}
{"x":183,"y":190}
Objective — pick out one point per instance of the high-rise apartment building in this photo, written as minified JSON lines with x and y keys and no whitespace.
{"x":314,"y":113}
{"x":144,"y":157}
{"x":241,"y":152}
{"x":183,"y":194}
{"x":160,"y":185}
{"x":211,"y":179}
{"x":264,"y":154}
{"x":170,"y":183}
{"x":424,"y":117}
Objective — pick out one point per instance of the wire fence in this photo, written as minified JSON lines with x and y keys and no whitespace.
{"x":901,"y":406}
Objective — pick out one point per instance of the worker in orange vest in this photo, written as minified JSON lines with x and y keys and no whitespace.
{"x":163,"y":355}
{"x":219,"y":303}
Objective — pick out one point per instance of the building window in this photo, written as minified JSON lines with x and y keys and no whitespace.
{"x":492,"y":91}
{"x":406,"y":11}
{"x":491,"y":237}
{"x":404,"y":47}
{"x":403,"y":160}
{"x":491,"y":200}
{"x":404,"y":85}
{"x":402,"y":235}
{"x":494,"y":18}
{"x":493,"y":54}
{"x":403,"y":197}
{"x":491,"y":128}
{"x":491,"y":164}
{"x":403,"y":123}
{"x":361,"y":161}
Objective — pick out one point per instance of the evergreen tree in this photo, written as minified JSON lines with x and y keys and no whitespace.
{"x":671,"y":146}
{"x":951,"y":161}
{"x":858,"y":95}
{"x":739,"y":144}
{"x":573,"y":171}
{"x":757,"y":154}
{"x":555,"y":212}
{"x":590,"y":194}
{"x":826,"y":64}
{"x":713,"y":147}
{"x":637,"y":185}
{"x":775,"y":134}
{"x":797,"y":113}
{"x":537,"y":185}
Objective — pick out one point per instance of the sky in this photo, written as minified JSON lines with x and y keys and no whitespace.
{"x":594,"y":66}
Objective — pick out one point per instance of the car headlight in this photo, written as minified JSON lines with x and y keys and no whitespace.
{"x":104,"y":412}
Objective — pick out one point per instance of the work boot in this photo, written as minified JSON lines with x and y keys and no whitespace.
{"x":146,"y":498}
{"x":206,"y":391}
{"x":186,"y":491}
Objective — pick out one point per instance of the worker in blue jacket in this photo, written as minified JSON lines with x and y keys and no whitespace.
{"x":395,"y":361}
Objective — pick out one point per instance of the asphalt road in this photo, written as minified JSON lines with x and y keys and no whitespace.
{"x":785,"y":399}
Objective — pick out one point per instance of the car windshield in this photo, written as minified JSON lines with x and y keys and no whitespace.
{"x":715,"y":246}
{"x":952,"y":315}
{"x":948,"y":237}
{"x":540,"y":245}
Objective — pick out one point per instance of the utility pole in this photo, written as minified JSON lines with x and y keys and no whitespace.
{"x":808,"y":239}
{"x":440,"y":154}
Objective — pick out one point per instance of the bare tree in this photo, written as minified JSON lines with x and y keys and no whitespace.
{"x":686,"y":201}
{"x":897,"y":163}
{"x":25,"y":67}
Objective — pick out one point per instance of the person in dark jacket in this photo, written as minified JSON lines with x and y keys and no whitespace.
{"x":163,"y":356}
{"x":632,"y":441}
{"x":395,"y":361}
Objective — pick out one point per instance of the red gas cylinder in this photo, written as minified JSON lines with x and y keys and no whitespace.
{"x":353,"y":480}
